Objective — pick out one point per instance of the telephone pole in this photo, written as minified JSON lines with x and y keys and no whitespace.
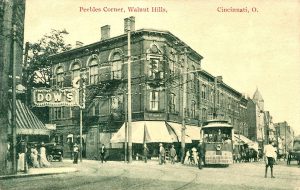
{"x":183,"y":105}
{"x":128,"y":28}
{"x":13,"y":105}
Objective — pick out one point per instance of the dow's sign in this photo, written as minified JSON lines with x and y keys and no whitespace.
{"x":55,"y":97}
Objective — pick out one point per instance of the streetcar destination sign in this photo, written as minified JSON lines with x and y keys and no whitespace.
{"x":55,"y":97}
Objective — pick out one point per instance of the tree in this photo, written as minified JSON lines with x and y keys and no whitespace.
{"x":38,"y":66}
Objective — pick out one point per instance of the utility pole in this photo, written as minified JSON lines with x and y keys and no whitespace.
{"x":183,"y":105}
{"x":129,"y":92}
{"x":14,"y":107}
{"x":126,"y":127}
{"x":82,"y":86}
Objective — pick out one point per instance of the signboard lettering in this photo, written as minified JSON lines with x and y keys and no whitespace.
{"x":55,"y":97}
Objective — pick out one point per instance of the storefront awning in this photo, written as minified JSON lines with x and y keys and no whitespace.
{"x":27,"y":123}
{"x":241,"y":139}
{"x":145,"y":131}
{"x":177,"y":128}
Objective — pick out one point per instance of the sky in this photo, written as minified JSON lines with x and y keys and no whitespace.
{"x":255,"y":49}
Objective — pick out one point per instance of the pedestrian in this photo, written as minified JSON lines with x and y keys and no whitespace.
{"x":195,"y":156}
{"x":43,"y":159}
{"x":162,"y":154}
{"x":269,"y":156}
{"x":34,"y":156}
{"x":187,"y":159}
{"x":75,"y":153}
{"x":103,"y":153}
{"x":201,"y":154}
{"x":173,"y":154}
{"x":146,"y":151}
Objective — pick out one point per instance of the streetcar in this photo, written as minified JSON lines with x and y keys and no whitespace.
{"x":217,"y":136}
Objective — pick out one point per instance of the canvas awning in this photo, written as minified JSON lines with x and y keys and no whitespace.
{"x":27,"y":123}
{"x":241,"y":139}
{"x":177,"y":128}
{"x":145,"y":131}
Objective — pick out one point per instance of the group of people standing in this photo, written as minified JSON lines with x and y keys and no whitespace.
{"x":197,"y":155}
{"x":32,"y":157}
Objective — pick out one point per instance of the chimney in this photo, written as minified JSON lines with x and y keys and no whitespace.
{"x":105,"y":32}
{"x":129,"y":24}
{"x":78,"y":44}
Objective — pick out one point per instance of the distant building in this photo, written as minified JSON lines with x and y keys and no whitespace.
{"x":285,"y":136}
{"x":159,"y":60}
{"x":256,"y":118}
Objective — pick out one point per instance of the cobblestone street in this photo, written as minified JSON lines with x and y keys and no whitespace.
{"x":138,"y":175}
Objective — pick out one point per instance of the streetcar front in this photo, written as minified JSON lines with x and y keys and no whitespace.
{"x":218,"y":136}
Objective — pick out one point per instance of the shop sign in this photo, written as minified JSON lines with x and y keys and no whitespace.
{"x":55,"y":97}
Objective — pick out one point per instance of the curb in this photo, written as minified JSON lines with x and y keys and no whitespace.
{"x":34,"y":175}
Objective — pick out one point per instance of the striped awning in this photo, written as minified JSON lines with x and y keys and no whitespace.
{"x":28,"y":123}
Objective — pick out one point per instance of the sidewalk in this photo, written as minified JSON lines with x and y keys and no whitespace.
{"x":42,"y":171}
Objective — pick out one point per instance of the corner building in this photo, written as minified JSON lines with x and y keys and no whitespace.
{"x":158,"y":61}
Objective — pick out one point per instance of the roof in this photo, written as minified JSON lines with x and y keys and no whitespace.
{"x":217,"y":123}
{"x":28,"y":123}
{"x":166,"y":34}
{"x":257,"y":95}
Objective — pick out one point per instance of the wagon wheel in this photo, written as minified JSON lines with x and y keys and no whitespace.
{"x":50,"y":158}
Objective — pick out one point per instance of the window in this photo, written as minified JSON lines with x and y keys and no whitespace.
{"x":193,"y":109}
{"x":75,"y":70}
{"x":154,"y":100}
{"x":172,"y":103}
{"x":153,"y":69}
{"x":93,"y":72}
{"x":97,"y":109}
{"x":116,"y":67}
{"x":58,"y":113}
{"x":204,"y":114}
{"x":60,"y":77}
{"x":203,"y":92}
{"x":114,"y":103}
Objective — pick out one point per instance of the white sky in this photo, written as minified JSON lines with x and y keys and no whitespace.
{"x":250,"y":50}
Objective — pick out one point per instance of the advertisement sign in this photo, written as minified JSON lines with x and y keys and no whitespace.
{"x":55,"y":97}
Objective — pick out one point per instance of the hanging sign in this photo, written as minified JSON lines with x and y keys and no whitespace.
{"x":55,"y":97}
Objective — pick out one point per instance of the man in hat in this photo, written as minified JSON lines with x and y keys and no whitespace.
{"x":75,"y":150}
{"x":146,"y":151}
{"x":162,"y":154}
{"x":172,"y":154}
{"x":103,"y":153}
{"x":201,"y":154}
{"x":269,"y":156}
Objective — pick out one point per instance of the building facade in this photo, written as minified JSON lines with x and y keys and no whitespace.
{"x":256,"y":118}
{"x":159,"y":60}
{"x":11,"y":47}
{"x":285,"y":136}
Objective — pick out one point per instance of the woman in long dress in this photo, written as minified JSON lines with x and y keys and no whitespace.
{"x":43,"y":159}
{"x":34,"y":157}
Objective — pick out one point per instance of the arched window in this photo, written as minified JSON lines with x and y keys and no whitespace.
{"x":93,"y":71}
{"x":60,"y":77}
{"x":75,"y":70}
{"x":193,"y":109}
{"x":116,"y":67}
{"x":203,"y":91}
{"x":204,"y":114}
{"x":172,"y":103}
{"x":154,"y":100}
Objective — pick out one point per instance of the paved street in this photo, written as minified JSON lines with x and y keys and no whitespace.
{"x":138,"y":175}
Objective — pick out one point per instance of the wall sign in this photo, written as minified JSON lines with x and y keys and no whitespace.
{"x":55,"y":97}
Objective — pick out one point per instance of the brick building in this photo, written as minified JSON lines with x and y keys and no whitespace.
{"x":159,"y":60}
